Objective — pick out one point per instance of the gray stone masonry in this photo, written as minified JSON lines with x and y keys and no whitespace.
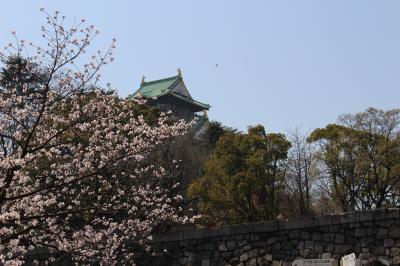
{"x":370,"y":235}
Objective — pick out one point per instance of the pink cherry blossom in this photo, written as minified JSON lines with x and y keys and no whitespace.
{"x":74,"y":170}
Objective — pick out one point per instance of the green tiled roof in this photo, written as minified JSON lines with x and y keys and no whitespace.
{"x":202,"y":105}
{"x":163,"y":87}
{"x":157,"y":88}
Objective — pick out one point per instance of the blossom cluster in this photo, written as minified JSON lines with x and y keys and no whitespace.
{"x":74,"y":174}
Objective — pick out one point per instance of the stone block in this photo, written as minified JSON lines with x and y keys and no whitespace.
{"x":370,"y":231}
{"x":197,"y":234}
{"x":385,"y":223}
{"x":395,"y":251}
{"x":254,"y":237}
{"x":222,"y":247}
{"x":223,"y":231}
{"x":382,"y":232}
{"x":176,"y":236}
{"x":308,"y":222}
{"x":330,"y":248}
{"x":396,"y":260}
{"x":270,"y":240}
{"x":228,"y":237}
{"x":243,"y":243}
{"x":265,"y":227}
{"x":318,"y":248}
{"x":234,"y":261}
{"x":276,"y":246}
{"x":247,"y":247}
{"x":378,"y":251}
{"x":350,"y":217}
{"x":237,"y":253}
{"x":287,"y":245}
{"x":205,"y":255}
{"x":387,"y":251}
{"x":380,"y":214}
{"x":239,"y":237}
{"x":262,"y":252}
{"x":191,"y":257}
{"x":316,"y":236}
{"x":258,"y":244}
{"x":203,"y":246}
{"x":393,"y":214}
{"x":293,"y":234}
{"x":237,"y":229}
{"x":216,"y":254}
{"x":281,"y":225}
{"x":244,"y":257}
{"x":309,"y":244}
{"x":335,"y":228}
{"x":352,"y":241}
{"x":339,"y":238}
{"x":387,"y":243}
{"x":253,"y":253}
{"x":304,"y":253}
{"x":324,"y":220}
{"x":326,"y":256}
{"x":366,"y":242}
{"x":293,"y":224}
{"x":305,"y":235}
{"x":300,"y":245}
{"x":280,"y":262}
{"x":231,"y":245}
{"x":252,"y":262}
{"x":366,"y":216}
{"x":282,"y":237}
{"x":294,"y":253}
{"x":192,"y":242}
{"x":342,"y":249}
{"x":226,"y":254}
{"x":360,"y":232}
{"x":327,"y":237}
{"x":355,"y":225}
{"x":206,"y":262}
{"x":394,"y":231}
{"x":324,"y":229}
{"x":364,"y":255}
{"x":267,"y":257}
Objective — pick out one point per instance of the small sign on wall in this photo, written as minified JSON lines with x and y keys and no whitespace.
{"x":315,"y":262}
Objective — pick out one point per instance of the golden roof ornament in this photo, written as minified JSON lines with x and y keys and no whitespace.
{"x":142,"y":82}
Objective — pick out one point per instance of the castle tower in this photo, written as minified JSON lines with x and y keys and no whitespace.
{"x":171,"y":94}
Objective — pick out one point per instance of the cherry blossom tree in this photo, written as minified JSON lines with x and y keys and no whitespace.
{"x":74,"y":174}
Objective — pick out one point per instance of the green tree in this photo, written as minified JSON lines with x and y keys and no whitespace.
{"x":362,"y":158}
{"x":21,"y":74}
{"x":214,"y":131}
{"x":243,"y":178}
{"x":338,"y":154}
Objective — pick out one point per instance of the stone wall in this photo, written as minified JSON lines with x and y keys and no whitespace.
{"x":370,"y":235}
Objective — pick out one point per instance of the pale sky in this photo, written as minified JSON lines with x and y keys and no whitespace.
{"x":278,"y":63}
